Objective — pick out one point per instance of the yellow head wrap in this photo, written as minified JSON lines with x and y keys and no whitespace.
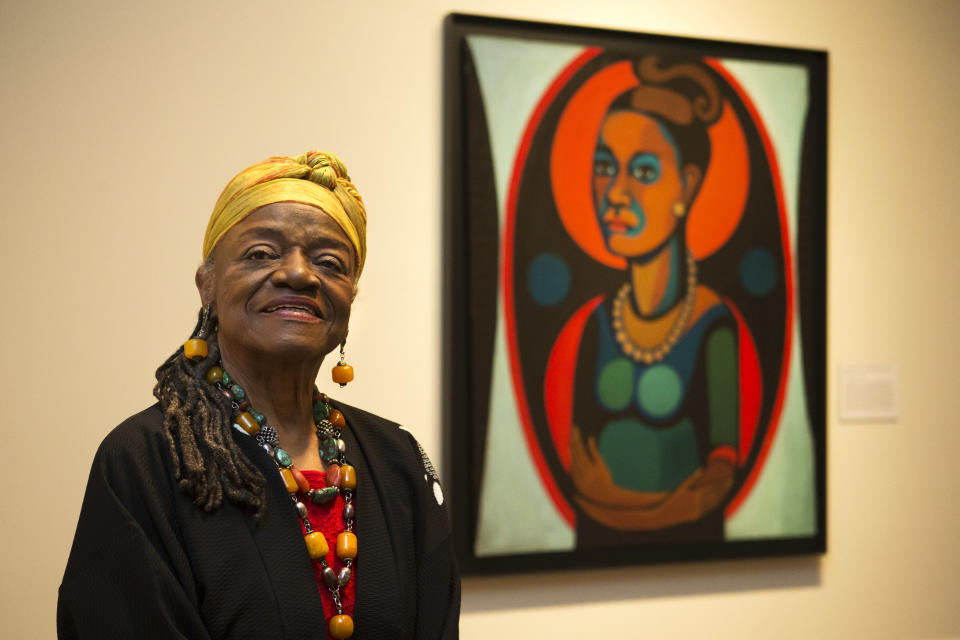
{"x":317,"y":178}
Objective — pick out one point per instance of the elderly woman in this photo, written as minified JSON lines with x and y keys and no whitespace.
{"x":245,"y":503}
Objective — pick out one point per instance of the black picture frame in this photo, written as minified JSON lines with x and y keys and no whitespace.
{"x":475,"y":273}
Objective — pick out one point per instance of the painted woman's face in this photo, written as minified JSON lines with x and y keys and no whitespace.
{"x":636,"y":183}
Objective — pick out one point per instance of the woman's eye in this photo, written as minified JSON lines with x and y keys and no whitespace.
{"x":332,"y":263}
{"x":603,"y":167}
{"x":259,"y":254}
{"x":646,"y":169}
{"x":644,"y":173}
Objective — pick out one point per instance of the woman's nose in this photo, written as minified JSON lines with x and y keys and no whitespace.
{"x":617,"y":194}
{"x":296,"y":271}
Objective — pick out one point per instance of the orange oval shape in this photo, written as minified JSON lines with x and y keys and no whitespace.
{"x":346,"y":545}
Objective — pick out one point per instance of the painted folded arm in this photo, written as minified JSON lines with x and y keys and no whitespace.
{"x":629,"y":510}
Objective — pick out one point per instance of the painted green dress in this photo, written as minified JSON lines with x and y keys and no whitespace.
{"x":657,"y":424}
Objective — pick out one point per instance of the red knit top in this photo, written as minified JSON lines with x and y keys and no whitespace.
{"x":328,"y":519}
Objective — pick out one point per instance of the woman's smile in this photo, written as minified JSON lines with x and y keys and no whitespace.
{"x":296,"y":308}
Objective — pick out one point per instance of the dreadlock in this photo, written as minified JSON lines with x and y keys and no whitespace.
{"x":196,"y":421}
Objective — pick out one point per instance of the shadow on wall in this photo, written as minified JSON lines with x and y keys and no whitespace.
{"x":605,"y":585}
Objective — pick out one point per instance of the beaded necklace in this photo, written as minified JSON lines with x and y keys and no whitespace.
{"x":649,"y":355}
{"x":341,"y":479}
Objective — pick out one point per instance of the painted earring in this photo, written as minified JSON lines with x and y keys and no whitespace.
{"x":196,"y":347}
{"x":679,"y":210}
{"x":342,"y":372}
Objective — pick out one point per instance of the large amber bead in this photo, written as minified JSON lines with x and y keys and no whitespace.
{"x":289,"y":481}
{"x":341,"y":627}
{"x":348,"y":477}
{"x":317,"y":545}
{"x":247,"y":422}
{"x":342,"y":374}
{"x":336,"y":419}
{"x":346,"y":545}
{"x":195,"y":348}
{"x":214,"y":374}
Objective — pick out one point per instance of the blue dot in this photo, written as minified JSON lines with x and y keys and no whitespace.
{"x":548,"y":279}
{"x":758,"y":272}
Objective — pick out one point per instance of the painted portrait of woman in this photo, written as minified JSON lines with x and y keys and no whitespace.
{"x":646,"y":352}
{"x":646,"y":453}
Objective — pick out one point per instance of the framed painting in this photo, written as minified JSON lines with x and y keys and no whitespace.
{"x":635,"y":276}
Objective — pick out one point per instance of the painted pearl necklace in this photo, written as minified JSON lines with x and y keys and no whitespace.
{"x":341,"y":479}
{"x":649,"y":355}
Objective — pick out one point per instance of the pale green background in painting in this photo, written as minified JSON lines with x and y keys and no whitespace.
{"x":783,"y":502}
{"x":516,"y":514}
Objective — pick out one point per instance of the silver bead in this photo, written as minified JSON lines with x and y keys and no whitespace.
{"x":301,"y":509}
{"x":343,"y":576}
{"x":341,"y":446}
{"x":329,"y":578}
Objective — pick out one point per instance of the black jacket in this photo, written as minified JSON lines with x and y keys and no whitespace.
{"x":147,"y":563}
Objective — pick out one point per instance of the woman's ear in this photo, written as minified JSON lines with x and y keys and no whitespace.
{"x":205,"y":280}
{"x":691,"y":182}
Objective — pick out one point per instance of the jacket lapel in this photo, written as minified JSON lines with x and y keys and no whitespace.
{"x":379,"y":598}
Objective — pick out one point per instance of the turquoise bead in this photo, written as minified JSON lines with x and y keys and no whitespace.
{"x":323,"y":496}
{"x":259,"y":417}
{"x":328,"y":450}
{"x":320,"y":411}
{"x":238,"y":392}
{"x":226,"y":379}
{"x":283,"y":458}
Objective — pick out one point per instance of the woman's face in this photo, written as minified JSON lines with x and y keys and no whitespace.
{"x":282,"y":283}
{"x":636,"y":183}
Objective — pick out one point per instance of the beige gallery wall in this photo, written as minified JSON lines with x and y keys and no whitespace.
{"x":121,"y":121}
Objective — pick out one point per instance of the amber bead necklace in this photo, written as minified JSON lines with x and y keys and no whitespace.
{"x":341,"y":476}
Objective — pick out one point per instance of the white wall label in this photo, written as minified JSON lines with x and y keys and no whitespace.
{"x":868,"y":392}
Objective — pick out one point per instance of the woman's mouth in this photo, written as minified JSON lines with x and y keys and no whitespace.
{"x":292,"y":309}
{"x":617,"y":221}
{"x":618,"y":226}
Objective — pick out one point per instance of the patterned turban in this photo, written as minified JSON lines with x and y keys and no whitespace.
{"x":317,"y":178}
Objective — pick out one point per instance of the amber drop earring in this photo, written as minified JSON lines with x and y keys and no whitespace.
{"x":342,"y":373}
{"x":196,"y":347}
